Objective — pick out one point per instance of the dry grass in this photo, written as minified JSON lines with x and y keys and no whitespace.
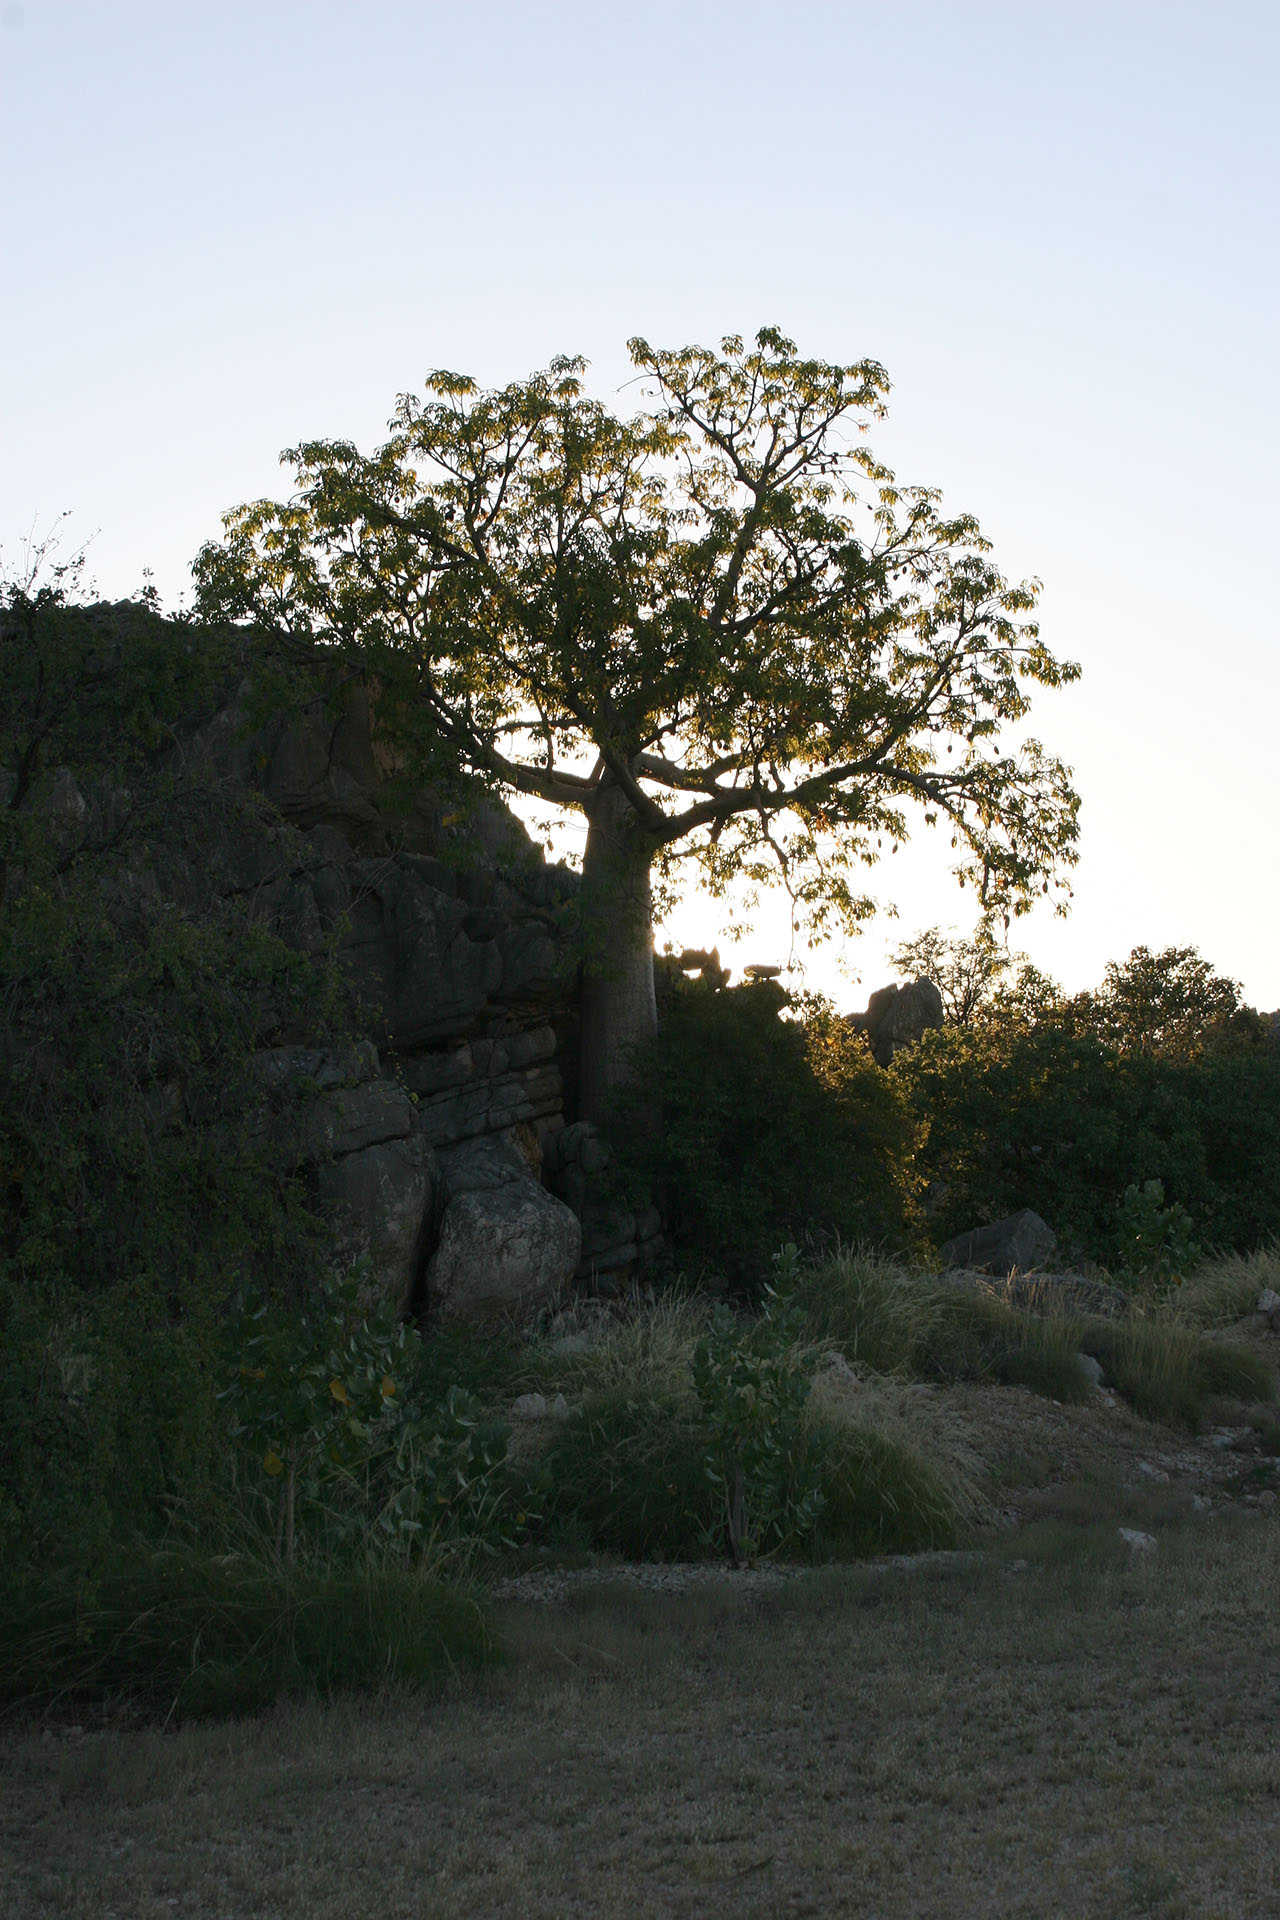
{"x":1089,"y":1734}
{"x":1224,"y":1290}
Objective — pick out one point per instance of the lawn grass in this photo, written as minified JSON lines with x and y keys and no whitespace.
{"x":1065,"y":1728}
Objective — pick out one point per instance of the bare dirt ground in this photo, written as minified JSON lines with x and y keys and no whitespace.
{"x":1056,"y":1723}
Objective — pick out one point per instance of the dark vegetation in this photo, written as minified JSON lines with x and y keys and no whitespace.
{"x":190,"y":1516}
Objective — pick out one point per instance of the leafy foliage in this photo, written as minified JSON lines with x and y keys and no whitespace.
{"x":763,"y":1462}
{"x":1169,"y":1006}
{"x":1047,"y":1115}
{"x":727,"y":598}
{"x":749,"y":1129}
{"x":323,"y":1402}
{"x":966,"y":971}
{"x":1156,"y":1240}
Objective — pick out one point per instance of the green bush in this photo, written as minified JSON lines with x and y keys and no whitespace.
{"x":626,"y":1474}
{"x":752,"y":1380}
{"x":324,"y":1403}
{"x":138,"y":1187}
{"x":1045,"y":1116}
{"x":749,"y":1128}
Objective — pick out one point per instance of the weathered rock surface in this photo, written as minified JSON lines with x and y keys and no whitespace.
{"x":458,"y":940}
{"x":896,"y":1017}
{"x":486,"y":1085}
{"x":368,"y":1168}
{"x":505,"y":1243}
{"x":1019,"y":1244}
{"x":381,"y":1201}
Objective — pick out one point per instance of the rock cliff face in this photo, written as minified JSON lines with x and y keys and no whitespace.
{"x":459,"y":940}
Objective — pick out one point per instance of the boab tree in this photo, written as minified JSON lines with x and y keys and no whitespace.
{"x":719,"y":629}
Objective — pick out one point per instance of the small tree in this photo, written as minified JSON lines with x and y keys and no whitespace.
{"x":966,"y":972}
{"x":719,"y":630}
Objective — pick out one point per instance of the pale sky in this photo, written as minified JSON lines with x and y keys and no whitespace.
{"x":231,"y":227}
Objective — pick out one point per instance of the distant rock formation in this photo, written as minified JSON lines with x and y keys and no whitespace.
{"x":897,"y":1016}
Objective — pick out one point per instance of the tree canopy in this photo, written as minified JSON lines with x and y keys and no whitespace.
{"x":719,"y":628}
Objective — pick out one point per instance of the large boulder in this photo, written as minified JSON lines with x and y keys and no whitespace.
{"x":896,"y":1017}
{"x":380,"y":1199}
{"x":1019,"y":1244}
{"x":505,"y":1244}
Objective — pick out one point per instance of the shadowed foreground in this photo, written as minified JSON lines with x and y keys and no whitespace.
{"x":1064,"y":1727}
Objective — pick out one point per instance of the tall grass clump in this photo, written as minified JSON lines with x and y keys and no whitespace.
{"x":888,"y":1321}
{"x":700,"y":1438}
{"x":1221,"y":1291}
{"x":647,"y":1352}
{"x":1171,"y":1372}
{"x":880,"y":1496}
{"x":185,"y":1633}
{"x":626,"y":1476}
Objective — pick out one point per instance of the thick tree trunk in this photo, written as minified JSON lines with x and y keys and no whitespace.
{"x":618,"y":1007}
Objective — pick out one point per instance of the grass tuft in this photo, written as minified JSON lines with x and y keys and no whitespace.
{"x":1224,"y":1290}
{"x":881,"y":1497}
{"x":627,"y":1475}
{"x":1171,"y":1372}
{"x":887,"y":1320}
{"x":187,"y":1635}
{"x":627,"y":1470}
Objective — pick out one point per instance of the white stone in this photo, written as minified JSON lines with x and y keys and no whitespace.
{"x":1139,"y":1542}
{"x":530,"y":1406}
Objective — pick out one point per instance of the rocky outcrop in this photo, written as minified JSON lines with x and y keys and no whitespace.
{"x":1048,"y":1294}
{"x":458,"y":941}
{"x":486,"y":1085}
{"x":896,"y":1017}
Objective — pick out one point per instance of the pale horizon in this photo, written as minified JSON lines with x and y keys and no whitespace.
{"x":234,"y":228}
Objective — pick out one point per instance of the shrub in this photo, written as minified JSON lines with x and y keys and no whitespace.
{"x":626,"y":1472}
{"x":752,"y":1381}
{"x":325,"y":1403}
{"x":749,"y":1128}
{"x":1045,"y":1116}
{"x":138,"y":1188}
